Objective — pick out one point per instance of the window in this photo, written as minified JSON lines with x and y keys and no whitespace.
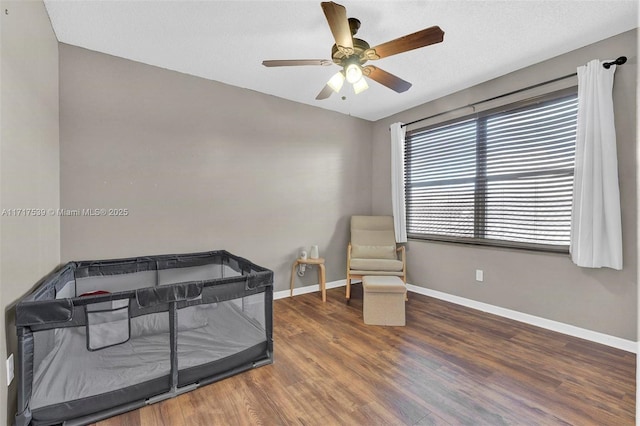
{"x":498,"y":178}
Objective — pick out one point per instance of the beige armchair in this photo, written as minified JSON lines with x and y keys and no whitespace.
{"x":372,"y":250}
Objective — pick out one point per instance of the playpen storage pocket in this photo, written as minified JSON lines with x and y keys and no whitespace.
{"x":107,"y":324}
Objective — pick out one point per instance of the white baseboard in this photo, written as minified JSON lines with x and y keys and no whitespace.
{"x":582,"y":333}
{"x":308,"y":289}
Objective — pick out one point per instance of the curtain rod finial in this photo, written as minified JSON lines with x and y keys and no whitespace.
{"x":621,"y":60}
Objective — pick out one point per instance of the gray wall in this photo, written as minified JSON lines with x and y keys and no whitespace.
{"x":545,"y":285}
{"x":29,"y":164}
{"x":201,"y":165}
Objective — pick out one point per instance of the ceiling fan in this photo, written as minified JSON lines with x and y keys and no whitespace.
{"x":352,"y":53}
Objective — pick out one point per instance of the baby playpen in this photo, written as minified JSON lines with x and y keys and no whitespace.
{"x":98,"y":338}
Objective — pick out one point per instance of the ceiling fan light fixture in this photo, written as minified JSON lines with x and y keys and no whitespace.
{"x":353,"y":73}
{"x":352,"y":53}
{"x":360,"y":86}
{"x":336,"y":82}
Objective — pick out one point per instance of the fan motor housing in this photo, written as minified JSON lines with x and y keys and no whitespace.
{"x":359,"y":47}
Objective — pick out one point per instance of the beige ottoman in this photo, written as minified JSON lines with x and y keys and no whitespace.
{"x":383,"y":302}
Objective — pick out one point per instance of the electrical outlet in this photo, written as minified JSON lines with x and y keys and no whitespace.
{"x":9,"y":369}
{"x":479,"y":275}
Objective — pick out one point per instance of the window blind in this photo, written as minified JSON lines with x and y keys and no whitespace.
{"x":504,"y":177}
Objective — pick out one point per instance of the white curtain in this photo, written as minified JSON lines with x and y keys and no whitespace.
{"x":596,"y":230}
{"x":397,"y":181}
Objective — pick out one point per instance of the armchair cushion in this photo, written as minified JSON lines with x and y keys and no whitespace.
{"x":376,"y":264}
{"x":373,"y":251}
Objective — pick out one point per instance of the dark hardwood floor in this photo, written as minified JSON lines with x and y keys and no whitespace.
{"x":449,"y":366}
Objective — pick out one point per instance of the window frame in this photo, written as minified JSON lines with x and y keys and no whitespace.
{"x":480,"y":208}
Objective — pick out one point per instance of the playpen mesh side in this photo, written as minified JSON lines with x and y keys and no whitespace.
{"x":148,"y":326}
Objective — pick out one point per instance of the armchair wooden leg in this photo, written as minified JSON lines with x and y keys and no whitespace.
{"x":348,"y":288}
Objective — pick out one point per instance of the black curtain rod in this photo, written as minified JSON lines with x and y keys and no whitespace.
{"x":621,"y":60}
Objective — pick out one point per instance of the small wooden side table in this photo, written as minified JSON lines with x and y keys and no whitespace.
{"x":321,"y":274}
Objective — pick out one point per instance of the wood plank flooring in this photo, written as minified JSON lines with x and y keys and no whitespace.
{"x":449,"y":366}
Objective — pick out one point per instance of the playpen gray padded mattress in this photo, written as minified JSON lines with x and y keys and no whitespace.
{"x":70,"y":372}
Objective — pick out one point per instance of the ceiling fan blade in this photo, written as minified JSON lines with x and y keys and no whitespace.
{"x":296,"y":62}
{"x":386,"y":79}
{"x":431,"y":35}
{"x":324,"y":93}
{"x":337,"y":18}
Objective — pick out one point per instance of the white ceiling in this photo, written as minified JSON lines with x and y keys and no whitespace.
{"x":226,"y":41}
